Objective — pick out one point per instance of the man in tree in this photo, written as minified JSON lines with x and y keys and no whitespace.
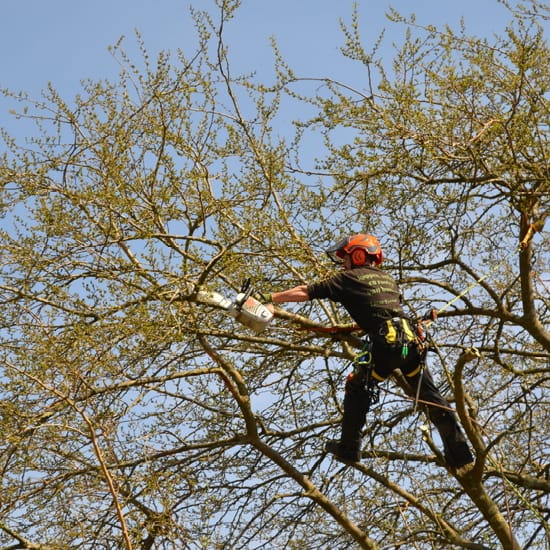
{"x":373,"y":300}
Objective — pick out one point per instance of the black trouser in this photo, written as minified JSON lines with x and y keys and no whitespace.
{"x":385,"y":359}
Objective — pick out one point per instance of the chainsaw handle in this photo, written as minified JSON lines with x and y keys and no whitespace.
{"x":246,"y":291}
{"x":245,"y":287}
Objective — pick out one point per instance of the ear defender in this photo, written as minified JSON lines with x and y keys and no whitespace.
{"x":358,"y":257}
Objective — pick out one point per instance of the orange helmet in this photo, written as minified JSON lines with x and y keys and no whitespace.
{"x":361,"y":248}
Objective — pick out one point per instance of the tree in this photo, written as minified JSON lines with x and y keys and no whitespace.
{"x":134,"y":416}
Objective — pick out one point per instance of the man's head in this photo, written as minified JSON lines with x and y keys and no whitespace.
{"x":359,"y":250}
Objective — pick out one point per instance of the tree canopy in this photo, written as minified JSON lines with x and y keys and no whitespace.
{"x":134,"y":416}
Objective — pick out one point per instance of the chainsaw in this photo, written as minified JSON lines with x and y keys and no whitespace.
{"x":244,"y":308}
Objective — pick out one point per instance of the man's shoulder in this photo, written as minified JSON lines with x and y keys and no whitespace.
{"x":328,"y":279}
{"x":328,"y":286}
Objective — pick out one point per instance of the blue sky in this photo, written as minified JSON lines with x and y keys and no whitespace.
{"x":64,"y":41}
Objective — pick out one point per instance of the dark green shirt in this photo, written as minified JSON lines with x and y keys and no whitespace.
{"x":369,"y":295}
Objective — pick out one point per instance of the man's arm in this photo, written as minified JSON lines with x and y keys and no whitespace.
{"x":297,"y":294}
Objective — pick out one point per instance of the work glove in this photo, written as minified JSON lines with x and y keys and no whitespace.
{"x":263,"y":297}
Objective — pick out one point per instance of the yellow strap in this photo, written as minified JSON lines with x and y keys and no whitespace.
{"x":407,"y":329}
{"x":377,"y":376}
{"x":391,"y":335}
{"x":415,"y":371}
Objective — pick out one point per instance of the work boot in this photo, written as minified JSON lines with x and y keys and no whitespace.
{"x":457,"y":454}
{"x":455,"y":448}
{"x":343,"y":453}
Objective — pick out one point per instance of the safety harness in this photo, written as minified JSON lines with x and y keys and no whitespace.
{"x":397,"y":332}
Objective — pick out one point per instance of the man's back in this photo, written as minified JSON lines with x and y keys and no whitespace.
{"x":369,"y":294}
